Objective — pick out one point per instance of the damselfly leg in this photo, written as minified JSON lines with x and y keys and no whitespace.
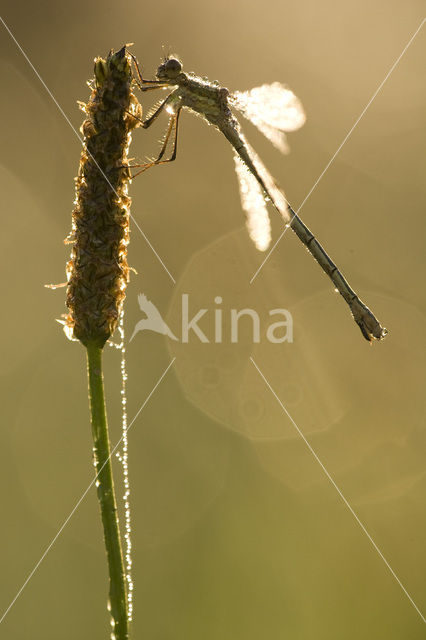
{"x":173,"y":126}
{"x":145,"y":85}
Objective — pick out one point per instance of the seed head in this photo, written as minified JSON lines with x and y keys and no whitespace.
{"x":97,"y":272}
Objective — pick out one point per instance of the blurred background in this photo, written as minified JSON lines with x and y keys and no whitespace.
{"x":237,"y":532}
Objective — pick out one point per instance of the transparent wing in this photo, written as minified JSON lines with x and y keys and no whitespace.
{"x":273,"y":109}
{"x":254,"y":206}
{"x":275,"y":194}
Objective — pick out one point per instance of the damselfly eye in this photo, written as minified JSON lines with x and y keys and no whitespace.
{"x":173,"y":67}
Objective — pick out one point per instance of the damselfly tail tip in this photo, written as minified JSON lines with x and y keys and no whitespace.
{"x":370,"y":327}
{"x":378,"y":334}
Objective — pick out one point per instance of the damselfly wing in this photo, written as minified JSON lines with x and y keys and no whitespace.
{"x":275,"y":110}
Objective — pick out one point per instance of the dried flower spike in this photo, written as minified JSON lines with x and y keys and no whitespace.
{"x":97,"y":271}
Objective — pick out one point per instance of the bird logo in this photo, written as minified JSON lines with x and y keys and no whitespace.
{"x":153,"y":320}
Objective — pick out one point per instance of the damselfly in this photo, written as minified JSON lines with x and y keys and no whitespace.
{"x":274,"y":109}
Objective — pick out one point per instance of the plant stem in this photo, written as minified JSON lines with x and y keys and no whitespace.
{"x":106,"y":494}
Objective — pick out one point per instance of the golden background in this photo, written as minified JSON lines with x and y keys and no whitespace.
{"x":237,"y":532}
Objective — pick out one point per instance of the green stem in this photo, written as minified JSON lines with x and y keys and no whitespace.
{"x":106,"y":494}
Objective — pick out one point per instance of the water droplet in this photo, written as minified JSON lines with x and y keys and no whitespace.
{"x":122,"y":455}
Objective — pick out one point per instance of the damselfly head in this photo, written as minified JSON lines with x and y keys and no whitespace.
{"x":169,"y":69}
